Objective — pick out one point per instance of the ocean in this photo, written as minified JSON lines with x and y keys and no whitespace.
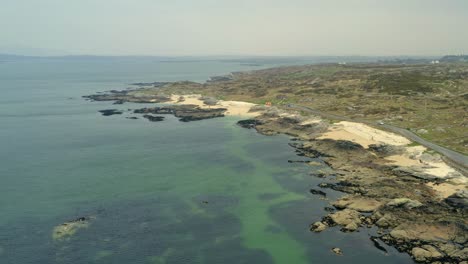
{"x":156,"y":192}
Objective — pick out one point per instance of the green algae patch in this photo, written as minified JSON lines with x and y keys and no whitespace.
{"x":256,"y":223}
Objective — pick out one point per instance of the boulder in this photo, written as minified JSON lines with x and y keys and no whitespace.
{"x":429,"y":233}
{"x":426,"y":253}
{"x":349,"y":219}
{"x":386,"y":221}
{"x":404,"y":202}
{"x":318,"y":227}
{"x":358,"y":203}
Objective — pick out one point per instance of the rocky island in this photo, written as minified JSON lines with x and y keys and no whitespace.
{"x":416,"y":197}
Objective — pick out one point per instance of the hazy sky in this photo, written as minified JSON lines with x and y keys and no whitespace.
{"x":235,"y":27}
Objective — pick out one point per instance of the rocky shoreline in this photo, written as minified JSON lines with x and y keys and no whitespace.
{"x":401,"y":201}
{"x":185,"y":113}
{"x":397,"y":200}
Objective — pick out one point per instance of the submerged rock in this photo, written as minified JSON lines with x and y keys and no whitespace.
{"x":375,"y":240}
{"x":109,"y":112}
{"x":68,"y":229}
{"x":318,"y":192}
{"x":337,"y":251}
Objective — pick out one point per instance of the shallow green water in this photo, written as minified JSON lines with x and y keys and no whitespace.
{"x":166,"y":192}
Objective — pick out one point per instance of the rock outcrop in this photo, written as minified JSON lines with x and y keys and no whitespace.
{"x":185,"y":113}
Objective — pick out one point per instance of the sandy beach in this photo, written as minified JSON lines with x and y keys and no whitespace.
{"x":234,"y":108}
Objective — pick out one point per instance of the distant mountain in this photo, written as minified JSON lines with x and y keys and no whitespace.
{"x":454,"y":58}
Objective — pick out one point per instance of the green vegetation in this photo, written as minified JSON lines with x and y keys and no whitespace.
{"x":431,"y":99}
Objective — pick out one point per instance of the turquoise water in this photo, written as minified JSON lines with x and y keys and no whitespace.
{"x":165,"y":192}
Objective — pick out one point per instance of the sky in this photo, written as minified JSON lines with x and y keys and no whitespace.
{"x":234,"y":27}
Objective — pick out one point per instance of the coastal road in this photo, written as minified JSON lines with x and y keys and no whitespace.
{"x":455,"y":159}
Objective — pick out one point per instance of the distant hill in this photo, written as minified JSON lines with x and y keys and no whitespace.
{"x":454,"y":58}
{"x":12,"y":57}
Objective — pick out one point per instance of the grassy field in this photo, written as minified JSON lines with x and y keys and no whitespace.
{"x":430,"y":100}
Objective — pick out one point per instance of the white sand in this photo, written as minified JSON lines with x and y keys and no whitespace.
{"x":234,"y":108}
{"x":363,"y":134}
{"x":411,"y":157}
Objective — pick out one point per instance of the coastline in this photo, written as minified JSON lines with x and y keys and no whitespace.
{"x":390,"y":183}
{"x":409,"y":155}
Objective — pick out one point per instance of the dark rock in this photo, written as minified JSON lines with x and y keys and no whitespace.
{"x":119,"y":102}
{"x":185,"y":113}
{"x":326,"y":185}
{"x":249,"y":123}
{"x":408,"y":171}
{"x":385,"y":149}
{"x":109,"y":112}
{"x":308,"y":151}
{"x":126,"y":96}
{"x":81,"y":219}
{"x":318,"y":192}
{"x":347,"y":145}
{"x":154,"y":118}
{"x":154,"y":84}
{"x":132,"y":117}
{"x":458,"y":199}
{"x":376,"y":242}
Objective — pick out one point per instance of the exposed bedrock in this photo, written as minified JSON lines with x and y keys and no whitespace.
{"x":185,"y":113}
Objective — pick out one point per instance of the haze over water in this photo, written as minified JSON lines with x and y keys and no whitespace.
{"x":166,"y":192}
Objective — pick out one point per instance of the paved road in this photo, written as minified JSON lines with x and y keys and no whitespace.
{"x":455,"y":159}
